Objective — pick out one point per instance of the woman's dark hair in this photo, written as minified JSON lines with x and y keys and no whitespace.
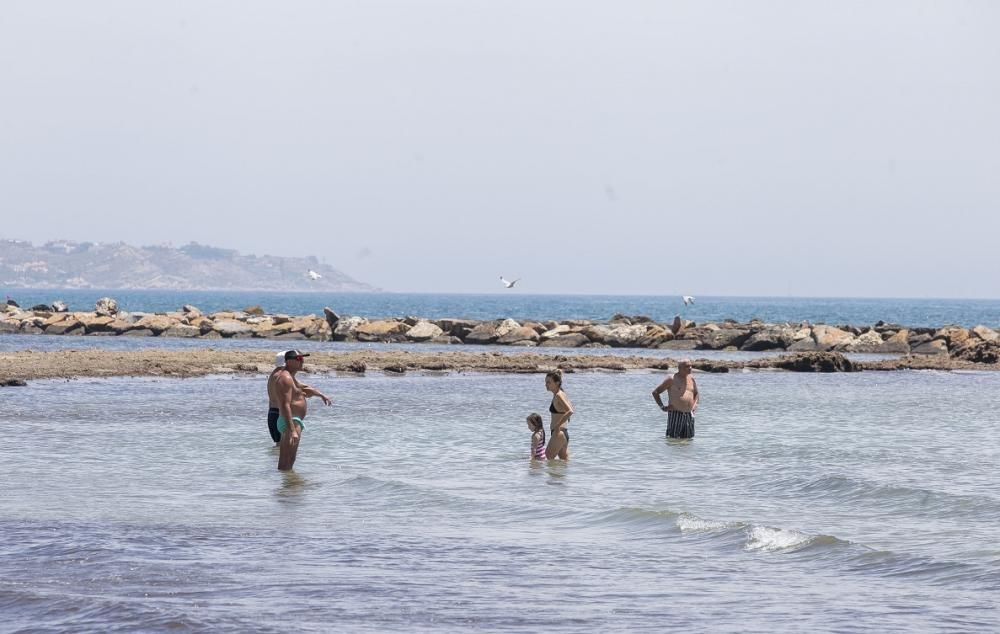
{"x":555,"y":375}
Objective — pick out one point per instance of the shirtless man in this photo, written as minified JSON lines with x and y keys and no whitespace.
{"x":287,"y":400}
{"x":682,"y":402}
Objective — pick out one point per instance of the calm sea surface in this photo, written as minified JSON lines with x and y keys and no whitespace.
{"x":849,"y":503}
{"x":515,"y":304}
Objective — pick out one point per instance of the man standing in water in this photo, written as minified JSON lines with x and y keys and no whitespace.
{"x":682,"y":392}
{"x":287,"y":398}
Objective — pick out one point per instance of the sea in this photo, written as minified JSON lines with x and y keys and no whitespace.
{"x":851,"y":502}
{"x":517,"y":305}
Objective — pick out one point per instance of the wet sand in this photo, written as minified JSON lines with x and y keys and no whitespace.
{"x":30,"y":365}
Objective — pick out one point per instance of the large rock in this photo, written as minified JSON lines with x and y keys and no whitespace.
{"x":382,"y":330}
{"x":980,"y":351}
{"x":270,"y":330}
{"x":935,"y":346}
{"x":954,"y":336}
{"x":71,"y":326}
{"x":719,"y":338}
{"x":156,"y":323}
{"x":654,"y":336}
{"x":816,"y":362}
{"x":117,"y":326}
{"x":774,"y":338}
{"x":484,"y":333}
{"x":557,"y":331}
{"x":29,"y":327}
{"x":986,"y":334}
{"x":898,"y":343}
{"x":138,"y":332}
{"x":9,"y":326}
{"x":93,"y":322}
{"x":625,"y":336}
{"x":830,"y":337}
{"x":803,"y":345}
{"x":318,"y":330}
{"x":456,"y":327}
{"x":51,"y":320}
{"x":346,"y":328}
{"x":569,"y":340}
{"x":869,"y":341}
{"x":506,"y":326}
{"x":230,"y":328}
{"x":679,"y":344}
{"x":597,"y":333}
{"x":106,"y":306}
{"x":917,"y":339}
{"x":521,"y":335}
{"x":331,"y":317}
{"x":182,"y":330}
{"x":424,"y":331}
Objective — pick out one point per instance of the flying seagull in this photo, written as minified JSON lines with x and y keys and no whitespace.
{"x":313,"y":275}
{"x":688,"y":300}
{"x":509,"y":284}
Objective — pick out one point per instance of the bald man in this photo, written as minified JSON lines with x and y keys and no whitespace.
{"x":682,"y":401}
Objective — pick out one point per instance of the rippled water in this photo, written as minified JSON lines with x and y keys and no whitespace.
{"x":847,"y":502}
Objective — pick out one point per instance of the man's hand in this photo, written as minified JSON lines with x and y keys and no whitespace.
{"x":326,"y":401}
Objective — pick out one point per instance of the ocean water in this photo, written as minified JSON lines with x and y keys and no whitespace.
{"x":518,"y":305}
{"x":835,"y":503}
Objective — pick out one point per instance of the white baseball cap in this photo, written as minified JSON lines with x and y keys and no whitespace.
{"x":281,"y":357}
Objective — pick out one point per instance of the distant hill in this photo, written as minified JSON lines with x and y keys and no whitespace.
{"x":65,"y":264}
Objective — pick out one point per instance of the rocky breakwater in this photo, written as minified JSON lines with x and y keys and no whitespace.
{"x":107,"y":319}
{"x":978,"y":345}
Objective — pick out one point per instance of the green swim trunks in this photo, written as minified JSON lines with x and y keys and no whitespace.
{"x":282,"y":423}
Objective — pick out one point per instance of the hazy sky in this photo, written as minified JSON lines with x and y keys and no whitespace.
{"x":715,"y":148}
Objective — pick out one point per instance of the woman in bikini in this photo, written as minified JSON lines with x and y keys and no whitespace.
{"x":561,"y":410}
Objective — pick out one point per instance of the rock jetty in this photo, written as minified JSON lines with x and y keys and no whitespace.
{"x":978,"y":345}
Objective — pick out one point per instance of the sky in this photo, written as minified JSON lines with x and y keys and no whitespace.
{"x":842,"y":148}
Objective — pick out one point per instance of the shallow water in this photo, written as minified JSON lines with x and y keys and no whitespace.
{"x":845,"y":502}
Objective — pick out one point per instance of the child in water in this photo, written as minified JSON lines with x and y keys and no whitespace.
{"x":537,"y":437}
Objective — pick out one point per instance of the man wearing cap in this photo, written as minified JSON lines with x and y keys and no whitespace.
{"x":682,"y":392}
{"x":287,"y":405}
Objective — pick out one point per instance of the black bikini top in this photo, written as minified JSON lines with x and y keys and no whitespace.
{"x":552,"y":407}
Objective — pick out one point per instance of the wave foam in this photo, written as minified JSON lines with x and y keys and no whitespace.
{"x":770,"y":540}
{"x":688,"y":523}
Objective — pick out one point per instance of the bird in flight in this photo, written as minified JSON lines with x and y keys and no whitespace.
{"x":688,"y":300}
{"x":509,"y":284}
{"x":313,"y":275}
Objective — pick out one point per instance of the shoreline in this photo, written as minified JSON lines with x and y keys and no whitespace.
{"x":18,"y":367}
